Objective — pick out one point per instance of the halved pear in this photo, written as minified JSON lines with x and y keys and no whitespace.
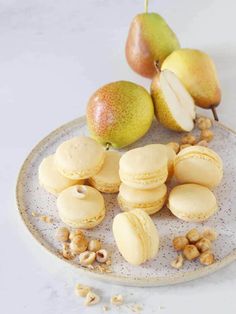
{"x":174,"y":106}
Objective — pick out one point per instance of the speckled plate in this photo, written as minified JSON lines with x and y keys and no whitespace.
{"x":32,"y":198}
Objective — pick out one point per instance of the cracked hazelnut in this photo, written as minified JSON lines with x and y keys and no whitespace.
{"x":87,"y":258}
{"x":203,"y":244}
{"x":178,"y":262}
{"x":193,"y":235}
{"x":190,"y":252}
{"x":62,"y":234}
{"x":91,"y":298}
{"x":180,"y":242}
{"x":101,"y":256}
{"x":94,"y":245}
{"x":82,"y":290}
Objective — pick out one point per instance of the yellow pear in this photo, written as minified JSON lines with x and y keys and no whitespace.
{"x":174,"y":106}
{"x":197,"y":72}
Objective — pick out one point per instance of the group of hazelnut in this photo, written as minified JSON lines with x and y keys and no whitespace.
{"x":75,"y":243}
{"x":194,"y":245}
{"x":206,"y":136}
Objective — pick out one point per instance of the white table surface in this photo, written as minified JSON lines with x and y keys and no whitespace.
{"x":53,"y":55}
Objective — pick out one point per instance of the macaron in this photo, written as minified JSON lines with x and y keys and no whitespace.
{"x":79,"y":158}
{"x":192,"y":202}
{"x":81,"y":206}
{"x":144,"y":167}
{"x":151,"y":201}
{"x":107,"y":180}
{"x":51,"y":179}
{"x":136,"y":236}
{"x":198,"y":164}
{"x":170,"y":153}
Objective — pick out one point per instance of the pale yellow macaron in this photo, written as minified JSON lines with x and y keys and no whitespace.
{"x":192,"y":202}
{"x":170,"y":153}
{"x":136,"y":236}
{"x":51,"y":179}
{"x":81,"y":206}
{"x":79,"y":158}
{"x":198,"y":164}
{"x":107,"y":180}
{"x":144,"y":167}
{"x":151,"y":201}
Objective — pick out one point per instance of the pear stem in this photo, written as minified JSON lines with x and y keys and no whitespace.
{"x":108,"y":146}
{"x":146,"y":6}
{"x":157,"y":66}
{"x":213,"y":109}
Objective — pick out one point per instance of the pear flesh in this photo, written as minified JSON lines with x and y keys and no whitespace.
{"x":174,"y":106}
{"x":150,"y":40}
{"x":197,"y":72}
{"x":119,"y":113}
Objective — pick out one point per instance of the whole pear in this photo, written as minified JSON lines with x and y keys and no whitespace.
{"x":119,"y":113}
{"x":150,"y":39}
{"x":197,"y":72}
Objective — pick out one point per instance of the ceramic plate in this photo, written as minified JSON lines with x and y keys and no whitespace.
{"x":32,"y":198}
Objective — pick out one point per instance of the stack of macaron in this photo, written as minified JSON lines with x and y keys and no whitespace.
{"x":198,"y":169}
{"x":64,"y":173}
{"x":143,"y":172}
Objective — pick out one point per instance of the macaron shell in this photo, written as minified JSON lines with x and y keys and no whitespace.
{"x":51,"y":179}
{"x":192,"y":202}
{"x":107,"y":180}
{"x":79,"y":158}
{"x":142,"y":235}
{"x":151,"y":201}
{"x":198,"y":165}
{"x":81,"y":206}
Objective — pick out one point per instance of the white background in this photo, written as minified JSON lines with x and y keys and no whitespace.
{"x":53,"y":55}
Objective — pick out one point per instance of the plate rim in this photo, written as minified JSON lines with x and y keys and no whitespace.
{"x":109,"y":277}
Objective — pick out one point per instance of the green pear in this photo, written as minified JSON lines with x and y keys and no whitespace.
{"x":174,"y":106}
{"x":150,"y":40}
{"x":119,"y":113}
{"x":197,"y":72}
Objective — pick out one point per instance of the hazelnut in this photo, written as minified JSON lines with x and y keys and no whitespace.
{"x":184,"y":146}
{"x":101,"y":256}
{"x":91,"y":298}
{"x":207,"y":135}
{"x":94,"y":245}
{"x":87,"y":258}
{"x":207,"y":258}
{"x":117,"y":299}
{"x":210,"y":234}
{"x":203,"y":123}
{"x":178,"y":262}
{"x":66,"y":252}
{"x":78,"y":245}
{"x":193,"y":236}
{"x":188,"y":139}
{"x":202,"y":143}
{"x":190,"y":252}
{"x":174,"y":146}
{"x":62,"y":234}
{"x":203,"y":244}
{"x":180,"y":242}
{"x":81,"y":290}
{"x":74,"y":233}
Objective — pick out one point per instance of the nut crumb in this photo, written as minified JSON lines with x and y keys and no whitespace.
{"x":34,"y":214}
{"x":91,"y":299}
{"x":161,"y":307}
{"x":46,"y":219}
{"x":178,"y":262}
{"x":188,"y":139}
{"x":82,"y":290}
{"x":117,"y":299}
{"x":66,"y":253}
{"x":136,"y":308}
{"x":105,"y":308}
